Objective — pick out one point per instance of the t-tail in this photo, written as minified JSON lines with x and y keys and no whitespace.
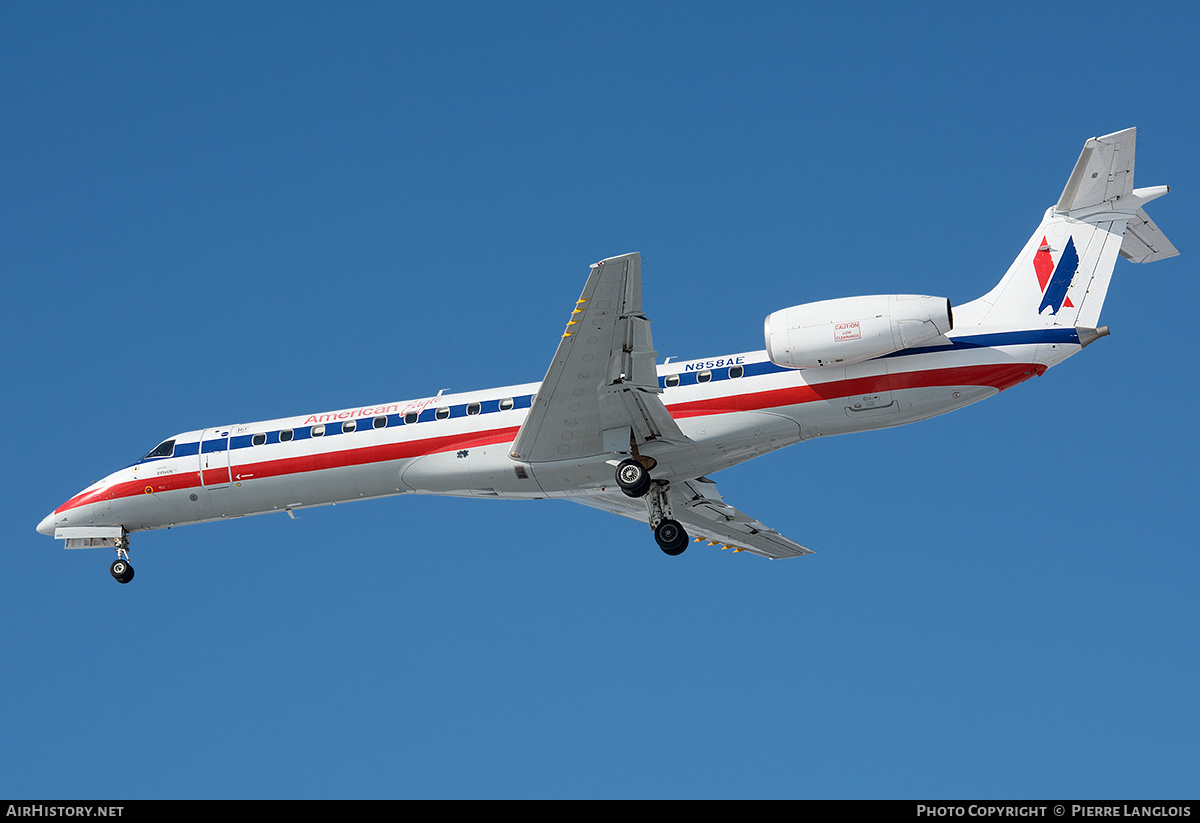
{"x":1062,"y":274}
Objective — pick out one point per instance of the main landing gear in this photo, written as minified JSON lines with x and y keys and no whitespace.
{"x":120,"y":569}
{"x":671,"y":537}
{"x":634,"y":479}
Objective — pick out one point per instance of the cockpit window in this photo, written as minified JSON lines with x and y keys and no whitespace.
{"x":163,"y":449}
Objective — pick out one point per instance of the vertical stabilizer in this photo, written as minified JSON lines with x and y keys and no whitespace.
{"x":1061,"y":276}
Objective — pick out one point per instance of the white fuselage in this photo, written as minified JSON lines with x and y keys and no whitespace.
{"x":612,"y":429}
{"x":731,"y":408}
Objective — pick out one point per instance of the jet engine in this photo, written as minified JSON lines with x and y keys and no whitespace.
{"x":853,"y":329}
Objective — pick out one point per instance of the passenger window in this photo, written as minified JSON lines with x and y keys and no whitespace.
{"x":349,"y":426}
{"x":381,"y":421}
{"x":163,"y":449}
{"x":672,"y":381}
{"x":442,"y":413}
{"x":506,"y":404}
{"x":473,"y":408}
{"x":704,"y":376}
{"x":258,"y":439}
{"x":285,"y":435}
{"x":736,"y":371}
{"x":318,"y":431}
{"x":411,"y":417}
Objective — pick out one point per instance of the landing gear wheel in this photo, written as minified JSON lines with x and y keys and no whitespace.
{"x":633,"y":478}
{"x":121,"y":571}
{"x":671,"y":537}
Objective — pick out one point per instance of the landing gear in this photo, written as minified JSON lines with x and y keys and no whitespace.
{"x":120,"y":569}
{"x":671,"y":537}
{"x":668,"y":532}
{"x":633,"y":478}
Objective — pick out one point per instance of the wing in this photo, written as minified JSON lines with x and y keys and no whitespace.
{"x":601,"y":392}
{"x":704,"y":513}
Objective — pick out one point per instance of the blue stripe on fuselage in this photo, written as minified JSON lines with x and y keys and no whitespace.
{"x":686,"y":378}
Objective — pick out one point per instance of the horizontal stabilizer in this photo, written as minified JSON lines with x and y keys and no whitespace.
{"x":1144,"y":242}
{"x":1103,"y":172}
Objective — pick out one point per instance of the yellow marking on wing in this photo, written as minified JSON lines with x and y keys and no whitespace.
{"x":575,"y":312}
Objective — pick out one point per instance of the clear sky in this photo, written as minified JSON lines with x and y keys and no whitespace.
{"x":223,"y":212}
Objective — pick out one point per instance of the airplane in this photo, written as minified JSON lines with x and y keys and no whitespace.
{"x":610,"y":428}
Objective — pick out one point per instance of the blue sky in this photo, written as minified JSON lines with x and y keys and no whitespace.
{"x":214,"y":214}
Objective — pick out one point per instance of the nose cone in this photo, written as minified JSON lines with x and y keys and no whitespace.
{"x":47,"y":525}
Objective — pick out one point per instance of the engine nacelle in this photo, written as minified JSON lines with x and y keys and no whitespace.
{"x":854,"y":329}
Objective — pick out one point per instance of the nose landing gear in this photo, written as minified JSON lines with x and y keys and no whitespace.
{"x":120,"y":569}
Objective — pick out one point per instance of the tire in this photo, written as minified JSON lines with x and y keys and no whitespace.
{"x":121,"y":571}
{"x":671,"y":537}
{"x":633,"y":478}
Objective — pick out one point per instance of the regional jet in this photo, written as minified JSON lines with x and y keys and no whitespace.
{"x":611,"y":428}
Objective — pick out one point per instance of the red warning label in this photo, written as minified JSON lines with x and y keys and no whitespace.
{"x":846,"y":331}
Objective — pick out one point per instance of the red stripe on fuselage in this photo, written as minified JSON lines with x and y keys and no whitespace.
{"x":295,"y":465}
{"x":998,"y":376}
